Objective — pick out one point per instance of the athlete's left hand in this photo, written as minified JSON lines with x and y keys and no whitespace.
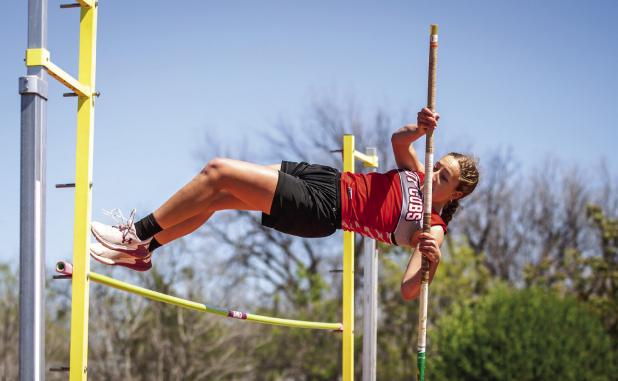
{"x":427,"y":119}
{"x":428,"y":246}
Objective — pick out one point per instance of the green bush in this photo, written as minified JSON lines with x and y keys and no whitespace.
{"x":529,"y":334}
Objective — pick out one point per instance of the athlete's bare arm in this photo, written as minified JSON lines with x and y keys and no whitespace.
{"x":430,"y":245}
{"x":405,"y":155}
{"x":402,"y":139}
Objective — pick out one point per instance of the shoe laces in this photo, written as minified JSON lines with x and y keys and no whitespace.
{"x":125,"y":225}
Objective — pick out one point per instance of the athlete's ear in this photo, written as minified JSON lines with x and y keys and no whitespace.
{"x":456,"y":195}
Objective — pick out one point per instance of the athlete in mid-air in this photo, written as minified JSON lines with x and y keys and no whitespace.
{"x":309,"y":200}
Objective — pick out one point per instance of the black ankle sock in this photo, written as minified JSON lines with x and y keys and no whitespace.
{"x":147,"y":227}
{"x":154,"y":244}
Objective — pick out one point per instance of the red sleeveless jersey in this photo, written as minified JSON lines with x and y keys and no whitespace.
{"x":371,"y":204}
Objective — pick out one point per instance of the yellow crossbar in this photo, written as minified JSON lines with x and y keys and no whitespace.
{"x":160,"y":297}
{"x":41,"y":57}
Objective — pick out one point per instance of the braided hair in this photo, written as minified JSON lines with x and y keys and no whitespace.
{"x":468,"y":179}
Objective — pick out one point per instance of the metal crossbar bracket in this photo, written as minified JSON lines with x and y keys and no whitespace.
{"x":68,"y":185}
{"x":367,"y":160}
{"x":41,"y":57}
{"x":82,"y":3}
{"x":60,"y":369}
{"x":85,"y":3}
{"x":67,"y":95}
{"x":31,"y":84}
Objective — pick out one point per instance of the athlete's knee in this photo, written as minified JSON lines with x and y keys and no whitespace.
{"x":214,"y":171}
{"x":220,"y":171}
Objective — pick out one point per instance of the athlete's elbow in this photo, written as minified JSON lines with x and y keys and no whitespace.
{"x":397,"y":139}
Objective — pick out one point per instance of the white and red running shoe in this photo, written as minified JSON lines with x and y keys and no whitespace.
{"x":121,"y":237}
{"x":116,"y":258}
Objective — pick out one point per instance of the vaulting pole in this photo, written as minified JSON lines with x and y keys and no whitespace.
{"x":427,"y":202}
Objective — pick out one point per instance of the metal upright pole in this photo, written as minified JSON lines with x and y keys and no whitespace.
{"x":370,"y":300}
{"x":33,"y":90}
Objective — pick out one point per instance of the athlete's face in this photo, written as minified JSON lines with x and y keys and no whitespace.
{"x":445,"y":179}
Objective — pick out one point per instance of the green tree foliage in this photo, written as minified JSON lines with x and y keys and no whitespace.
{"x":599,"y":285}
{"x":300,"y":354}
{"x":529,"y":334}
{"x":396,"y":324}
{"x":9,"y":329}
{"x":461,"y":276}
{"x":590,"y":275}
{"x":285,"y":353}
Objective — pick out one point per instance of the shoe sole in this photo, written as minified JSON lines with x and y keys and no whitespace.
{"x":135,"y":266}
{"x":137,"y":253}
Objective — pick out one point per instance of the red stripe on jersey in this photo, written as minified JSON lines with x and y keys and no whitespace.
{"x":371,"y":200}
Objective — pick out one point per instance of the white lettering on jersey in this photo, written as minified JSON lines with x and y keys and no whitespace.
{"x":415,"y":202}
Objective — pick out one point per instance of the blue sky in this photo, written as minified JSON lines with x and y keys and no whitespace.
{"x":537,"y":76}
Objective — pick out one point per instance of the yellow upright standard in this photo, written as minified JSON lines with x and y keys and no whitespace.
{"x":83,"y":179}
{"x":349,"y":157}
{"x":83,"y":87}
{"x":348,"y":275}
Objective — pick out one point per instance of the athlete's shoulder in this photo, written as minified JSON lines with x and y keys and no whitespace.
{"x":436,"y":220}
{"x":411,"y":176}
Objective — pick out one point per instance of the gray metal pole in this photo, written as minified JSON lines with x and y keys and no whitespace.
{"x":370,"y":301}
{"x":33,"y":90}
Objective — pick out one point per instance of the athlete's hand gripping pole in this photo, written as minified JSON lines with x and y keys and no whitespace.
{"x":427,"y":192}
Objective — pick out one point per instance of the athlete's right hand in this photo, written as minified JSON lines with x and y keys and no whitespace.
{"x":427,"y":119}
{"x":428,"y":246}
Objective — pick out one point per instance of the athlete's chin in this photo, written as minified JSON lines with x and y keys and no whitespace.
{"x":438,"y":197}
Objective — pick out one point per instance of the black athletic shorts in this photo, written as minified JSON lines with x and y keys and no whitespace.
{"x":307,"y":202}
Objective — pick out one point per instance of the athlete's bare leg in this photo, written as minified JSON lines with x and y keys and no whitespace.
{"x":251,"y":185}
{"x":222,"y":184}
{"x":222,"y":201}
